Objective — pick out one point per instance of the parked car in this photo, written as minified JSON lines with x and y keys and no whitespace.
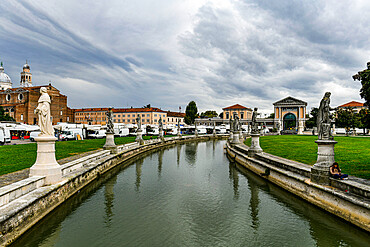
{"x":97,"y":134}
{"x":2,"y":136}
{"x":34,"y":134}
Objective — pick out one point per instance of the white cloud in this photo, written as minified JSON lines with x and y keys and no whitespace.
{"x":167,"y":52}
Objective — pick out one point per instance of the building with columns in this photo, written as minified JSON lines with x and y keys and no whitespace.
{"x":290,"y":114}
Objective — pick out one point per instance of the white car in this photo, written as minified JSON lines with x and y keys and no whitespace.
{"x":34,"y":134}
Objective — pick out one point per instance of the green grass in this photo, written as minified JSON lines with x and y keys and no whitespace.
{"x":352,"y":153}
{"x":18,"y":157}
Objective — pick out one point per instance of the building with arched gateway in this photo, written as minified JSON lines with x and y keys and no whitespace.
{"x":290,"y":114}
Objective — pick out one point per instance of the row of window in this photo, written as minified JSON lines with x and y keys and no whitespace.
{"x":8,"y":97}
{"x":235,"y":114}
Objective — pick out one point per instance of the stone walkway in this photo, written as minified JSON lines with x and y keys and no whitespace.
{"x":13,"y":177}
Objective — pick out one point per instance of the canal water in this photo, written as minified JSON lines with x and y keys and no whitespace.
{"x":188,"y":195}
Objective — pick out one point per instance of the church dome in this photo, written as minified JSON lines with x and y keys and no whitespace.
{"x":4,"y":77}
{"x":26,"y":66}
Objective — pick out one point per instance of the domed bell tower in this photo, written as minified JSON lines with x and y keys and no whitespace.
{"x":26,"y":76}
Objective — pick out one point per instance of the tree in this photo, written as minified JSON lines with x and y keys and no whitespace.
{"x":346,"y":118}
{"x":364,"y":119}
{"x":364,"y":77}
{"x":191,"y":112}
{"x":221,"y":115}
{"x":311,"y":122}
{"x":272,"y":115}
{"x":208,"y":114}
{"x":4,"y":116}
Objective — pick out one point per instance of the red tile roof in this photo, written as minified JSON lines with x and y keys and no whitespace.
{"x":237,"y":106}
{"x":118,"y":110}
{"x":352,"y":104}
{"x":175,"y":114}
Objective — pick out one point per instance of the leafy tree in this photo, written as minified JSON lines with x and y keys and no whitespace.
{"x":272,"y":115}
{"x":191,"y":112}
{"x":364,"y":119}
{"x":311,"y":122}
{"x":346,"y":118}
{"x":364,"y":77}
{"x":208,"y":114}
{"x":221,"y":115}
{"x":4,"y":116}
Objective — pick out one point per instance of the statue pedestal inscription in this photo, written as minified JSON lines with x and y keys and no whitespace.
{"x":109,"y":143}
{"x":255,"y":145}
{"x":46,"y":164}
{"x":325,"y":158}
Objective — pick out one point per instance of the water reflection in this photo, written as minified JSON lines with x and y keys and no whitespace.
{"x":139,"y":164}
{"x":109,"y":198}
{"x":191,"y":153}
{"x":160,"y":162}
{"x":234,"y":177}
{"x":178,"y":148}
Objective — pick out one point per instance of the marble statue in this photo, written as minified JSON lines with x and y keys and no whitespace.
{"x":231,"y":122}
{"x":110,"y":126}
{"x":323,"y":118}
{"x":254,"y":121}
{"x":43,"y":112}
{"x":236,"y":124}
{"x":138,"y":121}
{"x":160,"y":123}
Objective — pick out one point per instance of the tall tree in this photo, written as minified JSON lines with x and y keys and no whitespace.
{"x":4,"y":116}
{"x":311,"y":122}
{"x":191,"y":112}
{"x":208,"y":114}
{"x":364,"y":77}
{"x":346,"y":118}
{"x":364,"y":119}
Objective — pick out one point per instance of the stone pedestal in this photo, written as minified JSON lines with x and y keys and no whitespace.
{"x":160,"y":135}
{"x":46,"y":164}
{"x":255,"y":145}
{"x":241,"y":136}
{"x":196,"y":132}
{"x":235,"y":139}
{"x":139,"y":137}
{"x":109,"y":143}
{"x":325,"y":158}
{"x":179,"y":133}
{"x":231,"y":137}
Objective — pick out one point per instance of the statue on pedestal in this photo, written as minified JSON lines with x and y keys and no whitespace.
{"x":110,"y":126}
{"x":43,"y":112}
{"x":254,"y":121}
{"x":236,"y":123}
{"x":138,"y":121}
{"x":323,"y":118}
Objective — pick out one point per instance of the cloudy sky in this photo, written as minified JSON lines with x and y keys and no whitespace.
{"x":166,"y":53}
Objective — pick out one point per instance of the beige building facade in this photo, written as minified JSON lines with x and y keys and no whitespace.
{"x":244,"y":113}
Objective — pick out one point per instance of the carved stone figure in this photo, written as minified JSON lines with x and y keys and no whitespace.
{"x":138,"y":121}
{"x":110,"y":126}
{"x":254,"y":121}
{"x":160,"y":123}
{"x":231,"y":122}
{"x":236,"y":124}
{"x":43,"y":112}
{"x":323,"y":118}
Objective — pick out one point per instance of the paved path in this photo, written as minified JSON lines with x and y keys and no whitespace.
{"x":13,"y":177}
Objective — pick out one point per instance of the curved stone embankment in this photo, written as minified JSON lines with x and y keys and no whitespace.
{"x":348,"y":199}
{"x":24,"y":203}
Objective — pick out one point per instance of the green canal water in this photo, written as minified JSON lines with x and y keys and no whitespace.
{"x":188,"y":195}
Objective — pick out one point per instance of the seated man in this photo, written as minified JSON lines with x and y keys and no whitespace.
{"x":336,"y":173}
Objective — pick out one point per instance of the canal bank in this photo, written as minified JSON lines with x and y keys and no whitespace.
{"x":346,"y":199}
{"x":24,"y":203}
{"x":188,"y":195}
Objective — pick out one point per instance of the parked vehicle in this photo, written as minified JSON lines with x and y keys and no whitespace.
{"x":124,"y":132}
{"x":2,"y":136}
{"x":34,"y":134}
{"x":97,"y":134}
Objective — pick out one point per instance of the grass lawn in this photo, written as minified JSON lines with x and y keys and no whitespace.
{"x":352,"y":153}
{"x":18,"y":157}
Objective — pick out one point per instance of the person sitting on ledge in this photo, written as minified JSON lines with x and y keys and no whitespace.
{"x":336,"y":173}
